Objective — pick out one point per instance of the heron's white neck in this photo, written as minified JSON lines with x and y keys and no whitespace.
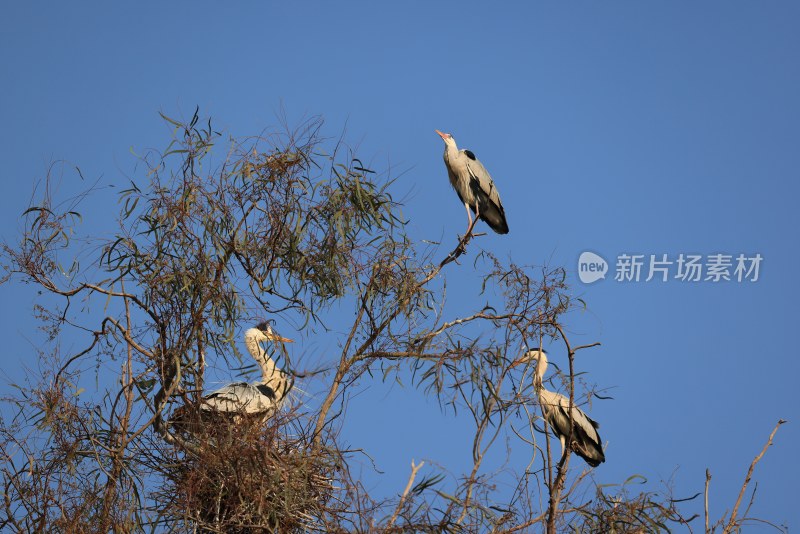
{"x":269,"y":370}
{"x":450,"y":149}
{"x":541,"y":367}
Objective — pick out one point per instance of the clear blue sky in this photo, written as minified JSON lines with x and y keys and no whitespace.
{"x":616,"y":127}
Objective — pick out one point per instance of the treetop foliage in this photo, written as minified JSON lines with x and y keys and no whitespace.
{"x":214,"y":233}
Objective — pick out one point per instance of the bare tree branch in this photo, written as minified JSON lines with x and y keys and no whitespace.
{"x":734,"y":521}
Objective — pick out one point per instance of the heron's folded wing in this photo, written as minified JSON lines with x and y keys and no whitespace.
{"x":239,"y":397}
{"x":481,"y":181}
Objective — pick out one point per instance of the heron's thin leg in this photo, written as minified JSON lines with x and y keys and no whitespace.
{"x":563,"y":457}
{"x":469,"y":214}
{"x":472,"y":222}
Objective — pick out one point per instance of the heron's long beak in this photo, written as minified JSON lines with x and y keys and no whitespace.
{"x":517,"y":362}
{"x":275,"y":337}
{"x":442,"y":134}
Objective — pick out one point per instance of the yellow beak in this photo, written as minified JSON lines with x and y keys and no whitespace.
{"x":275,"y":337}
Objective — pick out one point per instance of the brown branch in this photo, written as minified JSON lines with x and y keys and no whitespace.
{"x":168,"y":388}
{"x":561,"y":473}
{"x":346,"y":363}
{"x":120,"y":435}
{"x":49,"y":285}
{"x":705,"y":498}
{"x":462,"y":244}
{"x":414,"y":470}
{"x":395,"y":355}
{"x":524,"y":526}
{"x":556,"y":486}
{"x":732,"y":522}
{"x":344,"y":366}
{"x":456,"y":322}
{"x":477,"y":453}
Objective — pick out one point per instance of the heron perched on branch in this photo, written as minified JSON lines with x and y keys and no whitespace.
{"x":474,"y":186}
{"x":257,"y":398}
{"x":584,"y":439}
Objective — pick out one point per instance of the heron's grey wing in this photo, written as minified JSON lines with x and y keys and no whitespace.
{"x":553,"y":412}
{"x":237,"y":398}
{"x":482,"y":185}
{"x":561,"y":404}
{"x":584,"y":422}
{"x":481,"y":180}
{"x":586,"y":440}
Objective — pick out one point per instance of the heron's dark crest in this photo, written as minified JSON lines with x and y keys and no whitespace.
{"x":264,"y":326}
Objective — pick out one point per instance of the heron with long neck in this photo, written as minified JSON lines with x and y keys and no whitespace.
{"x":262,"y":397}
{"x":474,"y":185}
{"x":572,"y":424}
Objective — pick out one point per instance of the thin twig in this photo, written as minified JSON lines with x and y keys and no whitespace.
{"x":732,"y":523}
{"x":561,"y":472}
{"x":414,"y":470}
{"x":708,"y":481}
{"x":462,"y":244}
{"x":346,"y":361}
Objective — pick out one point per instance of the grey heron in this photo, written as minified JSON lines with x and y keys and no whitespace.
{"x":474,"y":185}
{"x":258,"y":398}
{"x":585,"y":441}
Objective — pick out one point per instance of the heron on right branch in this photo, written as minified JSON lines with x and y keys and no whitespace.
{"x":583,"y":436}
{"x":474,"y":186}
